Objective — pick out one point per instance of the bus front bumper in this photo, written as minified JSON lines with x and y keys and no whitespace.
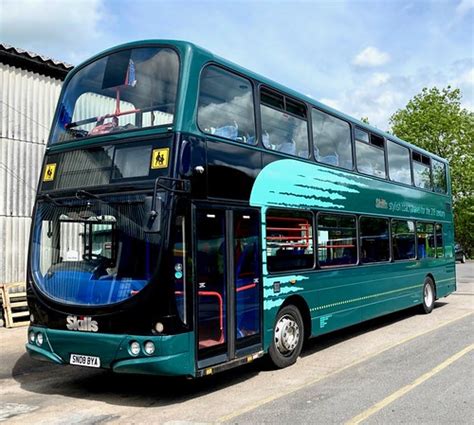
{"x":173,"y":356}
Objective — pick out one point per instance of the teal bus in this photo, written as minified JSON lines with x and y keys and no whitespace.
{"x":193,"y":216}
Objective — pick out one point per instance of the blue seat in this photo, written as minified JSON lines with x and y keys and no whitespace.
{"x":228,"y":131}
{"x":288,"y":147}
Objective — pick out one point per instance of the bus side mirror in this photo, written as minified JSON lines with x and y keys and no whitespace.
{"x":153,"y":208}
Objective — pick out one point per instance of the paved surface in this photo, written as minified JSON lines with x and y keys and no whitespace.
{"x":403,"y":368}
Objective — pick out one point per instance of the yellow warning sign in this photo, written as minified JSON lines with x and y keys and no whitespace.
{"x":160,"y":158}
{"x":49,"y":172}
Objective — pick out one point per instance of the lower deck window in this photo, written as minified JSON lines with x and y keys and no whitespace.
{"x":374,"y":240}
{"x":337,"y":240}
{"x":289,"y":240}
{"x":439,"y":241}
{"x":425,"y":240}
{"x":403,"y":240}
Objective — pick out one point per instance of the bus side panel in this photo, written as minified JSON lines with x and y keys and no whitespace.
{"x":390,"y":287}
{"x":333,"y":299}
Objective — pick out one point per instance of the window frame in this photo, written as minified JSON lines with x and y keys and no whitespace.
{"x":309,"y":132}
{"x":290,"y":211}
{"x":313,"y":140}
{"x":389,"y":177}
{"x":433,"y":223}
{"x":254,"y":88}
{"x":383,"y":149}
{"x":393,"y":259}
{"x":390,"y":254}
{"x":445,"y":166}
{"x":413,"y":160}
{"x":357,"y":263}
{"x":436,"y":239}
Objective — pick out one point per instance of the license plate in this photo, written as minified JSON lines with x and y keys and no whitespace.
{"x":81,"y":360}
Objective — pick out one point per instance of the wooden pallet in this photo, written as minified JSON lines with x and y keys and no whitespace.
{"x":15,"y":307}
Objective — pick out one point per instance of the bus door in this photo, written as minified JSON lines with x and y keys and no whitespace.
{"x":228,"y":285}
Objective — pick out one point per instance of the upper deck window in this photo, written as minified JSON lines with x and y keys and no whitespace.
{"x":398,"y":162}
{"x":284,"y":124}
{"x":226,"y":105}
{"x":421,"y":170}
{"x":439,"y":176}
{"x":125,"y":90}
{"x":370,"y":153}
{"x":332,"y":140}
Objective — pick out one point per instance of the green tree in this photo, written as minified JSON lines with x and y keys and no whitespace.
{"x":435,"y":121}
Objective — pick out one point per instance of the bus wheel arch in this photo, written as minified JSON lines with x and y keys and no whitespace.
{"x":300,"y":303}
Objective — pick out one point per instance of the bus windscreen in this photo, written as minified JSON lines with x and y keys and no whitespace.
{"x":125,"y":90}
{"x":93,"y":252}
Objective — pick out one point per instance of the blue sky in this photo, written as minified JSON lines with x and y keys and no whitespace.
{"x":365,"y":58}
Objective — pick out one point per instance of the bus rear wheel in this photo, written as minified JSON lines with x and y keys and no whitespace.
{"x":287,"y":340}
{"x":428,"y":296}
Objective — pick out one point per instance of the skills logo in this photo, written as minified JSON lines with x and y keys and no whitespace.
{"x":83,"y":323}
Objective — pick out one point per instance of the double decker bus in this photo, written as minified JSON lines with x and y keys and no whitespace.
{"x":193,"y":216}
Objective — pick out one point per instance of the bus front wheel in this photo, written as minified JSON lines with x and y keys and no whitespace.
{"x":428,"y":296}
{"x":287,"y":340}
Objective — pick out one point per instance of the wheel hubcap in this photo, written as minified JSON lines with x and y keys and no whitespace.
{"x":428,"y":295}
{"x":287,"y":335}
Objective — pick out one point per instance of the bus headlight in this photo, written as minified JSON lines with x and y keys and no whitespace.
{"x":31,"y":337}
{"x":159,"y":327}
{"x":149,"y":348}
{"x":39,"y":339}
{"x":134,"y":348}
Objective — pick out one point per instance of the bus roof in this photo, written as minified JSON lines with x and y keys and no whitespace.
{"x":187,"y":46}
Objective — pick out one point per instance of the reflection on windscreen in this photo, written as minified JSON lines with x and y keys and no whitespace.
{"x":93,"y":253}
{"x":87,"y":239}
{"x":129,"y":89}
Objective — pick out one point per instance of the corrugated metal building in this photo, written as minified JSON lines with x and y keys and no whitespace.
{"x":29,"y":88}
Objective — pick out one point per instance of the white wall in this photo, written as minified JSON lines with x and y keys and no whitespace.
{"x":27,"y":104}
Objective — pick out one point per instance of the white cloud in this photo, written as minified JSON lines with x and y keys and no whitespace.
{"x":371,"y":56}
{"x":463,"y":8}
{"x":465,"y":82}
{"x":379,"y":79}
{"x":381,"y":94}
{"x":52,"y":25}
{"x":466,"y":78}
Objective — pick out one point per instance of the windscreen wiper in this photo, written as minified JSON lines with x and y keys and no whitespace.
{"x":51,"y":199}
{"x":84,"y":194}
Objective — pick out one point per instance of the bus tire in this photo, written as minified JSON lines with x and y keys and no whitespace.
{"x":288,"y":335}
{"x":428,"y":296}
